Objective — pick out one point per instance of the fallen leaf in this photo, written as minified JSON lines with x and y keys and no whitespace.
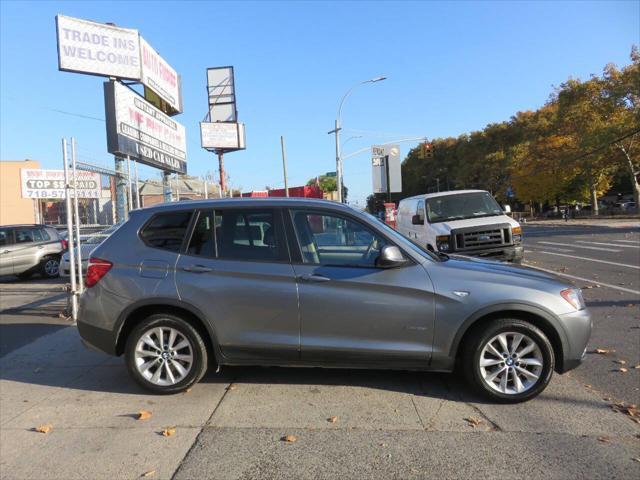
{"x":168,"y":431}
{"x":637,"y":367}
{"x":144,"y":414}
{"x":150,"y":473}
{"x":620,"y":362}
{"x":604,"y":439}
{"x":601,"y":351}
{"x":623,"y":370}
{"x":587,"y":385}
{"x":332,"y":419}
{"x":187,"y":390}
{"x":473,"y":421}
{"x":46,"y":428}
{"x":637,"y":459}
{"x":37,"y":370}
{"x":232,"y":387}
{"x":289,"y":438}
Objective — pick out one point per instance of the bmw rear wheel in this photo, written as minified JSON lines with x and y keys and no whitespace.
{"x":165,"y":354}
{"x":509,"y":361}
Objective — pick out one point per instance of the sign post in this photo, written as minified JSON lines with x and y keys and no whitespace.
{"x":386,"y":169}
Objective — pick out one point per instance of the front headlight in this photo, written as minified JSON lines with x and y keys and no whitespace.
{"x":442,"y":242}
{"x":574,"y":297}
{"x":516,"y":233}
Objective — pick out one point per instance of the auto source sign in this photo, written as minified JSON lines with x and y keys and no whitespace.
{"x":38,"y":183}
{"x":137,"y":129}
{"x":159,"y":76}
{"x":98,"y":49}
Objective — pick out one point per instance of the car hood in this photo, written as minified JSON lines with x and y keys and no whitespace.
{"x":503,"y":268}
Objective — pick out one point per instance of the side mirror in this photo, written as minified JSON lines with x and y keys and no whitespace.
{"x":390,"y":257}
{"x":507,"y":209}
{"x":417,"y":220}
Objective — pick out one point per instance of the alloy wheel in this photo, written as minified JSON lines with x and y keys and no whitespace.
{"x":51,"y":267}
{"x":163,"y":356}
{"x":511,"y":363}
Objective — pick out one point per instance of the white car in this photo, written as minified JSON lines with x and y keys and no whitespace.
{"x":466,"y":222}
{"x":87,"y":244}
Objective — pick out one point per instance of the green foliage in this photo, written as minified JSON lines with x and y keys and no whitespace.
{"x":327,"y":184}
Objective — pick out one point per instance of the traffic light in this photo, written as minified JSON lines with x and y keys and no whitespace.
{"x":427,"y":150}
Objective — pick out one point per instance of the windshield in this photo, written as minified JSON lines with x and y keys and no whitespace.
{"x":462,"y":205}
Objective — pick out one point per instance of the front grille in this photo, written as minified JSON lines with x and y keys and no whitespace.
{"x":482,"y":238}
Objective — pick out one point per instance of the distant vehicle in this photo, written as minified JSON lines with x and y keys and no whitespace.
{"x":301,"y":282}
{"x":29,"y":249}
{"x":624,"y":206}
{"x":87,"y":244}
{"x":466,"y":222}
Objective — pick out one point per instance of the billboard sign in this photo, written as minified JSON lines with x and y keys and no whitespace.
{"x":222,"y":136}
{"x":386,"y":169}
{"x":137,"y":129}
{"x":222,"y":94}
{"x":160,"y":77}
{"x":37,"y":183}
{"x":97,"y":48}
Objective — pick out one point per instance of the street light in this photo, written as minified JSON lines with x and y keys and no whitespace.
{"x":337,"y":132}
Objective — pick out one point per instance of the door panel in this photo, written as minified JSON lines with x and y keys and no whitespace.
{"x":25,"y":251}
{"x":6,"y":246}
{"x":351,"y":311}
{"x":237,"y":272}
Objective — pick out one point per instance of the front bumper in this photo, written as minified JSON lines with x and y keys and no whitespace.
{"x":577,"y":326}
{"x":508,"y":253}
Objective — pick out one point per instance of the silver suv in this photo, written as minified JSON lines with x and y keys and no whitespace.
{"x":314,"y":283}
{"x":29,"y":249}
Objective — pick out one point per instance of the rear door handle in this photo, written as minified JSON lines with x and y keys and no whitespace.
{"x":197,"y":269}
{"x":313,"y":278}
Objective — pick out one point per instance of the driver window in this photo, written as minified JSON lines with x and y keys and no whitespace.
{"x":336,"y":241}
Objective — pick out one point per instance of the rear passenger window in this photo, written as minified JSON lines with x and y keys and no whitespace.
{"x":166,"y":230}
{"x":249,"y":235}
{"x":45,"y":235}
{"x":4,"y":237}
{"x":202,"y":241}
{"x":24,"y":235}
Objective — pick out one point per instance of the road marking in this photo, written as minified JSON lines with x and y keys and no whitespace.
{"x":581,"y":246}
{"x":608,"y":244}
{"x":588,"y":280}
{"x":592,"y":260}
{"x":560,"y":249}
{"x":635,"y":242}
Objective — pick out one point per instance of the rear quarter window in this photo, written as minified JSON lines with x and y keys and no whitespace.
{"x":166,"y":230}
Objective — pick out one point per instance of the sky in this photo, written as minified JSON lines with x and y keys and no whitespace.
{"x":452,"y":68}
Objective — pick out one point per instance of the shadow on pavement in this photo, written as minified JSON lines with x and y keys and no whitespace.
{"x":571,"y":230}
{"x":16,"y":335}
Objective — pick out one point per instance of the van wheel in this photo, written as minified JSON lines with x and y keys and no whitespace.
{"x":50,"y":267}
{"x":509,"y":360}
{"x":165,"y":354}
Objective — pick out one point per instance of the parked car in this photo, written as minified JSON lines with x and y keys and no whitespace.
{"x":316,"y":283}
{"x":87,"y":244}
{"x":29,"y":249}
{"x":467,"y":222}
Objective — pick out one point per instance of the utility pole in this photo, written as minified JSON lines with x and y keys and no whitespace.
{"x":166,"y":186}
{"x":284,"y":167}
{"x":223,"y":186}
{"x":121,"y":194}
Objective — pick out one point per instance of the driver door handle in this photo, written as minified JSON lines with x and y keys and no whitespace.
{"x":197,"y":269}
{"x":313,"y":278}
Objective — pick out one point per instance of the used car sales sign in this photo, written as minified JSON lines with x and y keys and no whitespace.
{"x":137,"y":129}
{"x":37,"y":183}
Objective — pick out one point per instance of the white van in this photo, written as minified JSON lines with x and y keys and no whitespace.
{"x":466,"y":222}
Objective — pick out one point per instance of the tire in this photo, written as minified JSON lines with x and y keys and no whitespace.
{"x":176,"y":373}
{"x":50,"y":267}
{"x":519,"y":387}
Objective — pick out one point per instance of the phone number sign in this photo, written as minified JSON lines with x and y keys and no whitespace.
{"x":37,"y":183}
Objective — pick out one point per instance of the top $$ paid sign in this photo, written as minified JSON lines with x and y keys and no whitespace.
{"x":38,"y":183}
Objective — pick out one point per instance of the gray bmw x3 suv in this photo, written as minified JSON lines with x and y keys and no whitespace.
{"x":183,"y":286}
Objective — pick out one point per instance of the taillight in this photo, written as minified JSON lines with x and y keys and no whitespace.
{"x":97,"y":269}
{"x":64,"y":244}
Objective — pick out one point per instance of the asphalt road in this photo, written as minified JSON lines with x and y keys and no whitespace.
{"x":605,"y":262}
{"x":387,"y":424}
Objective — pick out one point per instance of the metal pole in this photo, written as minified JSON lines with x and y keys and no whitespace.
{"x":121,"y":210}
{"x":77,"y":222}
{"x":284,"y":167}
{"x":70,"y":249}
{"x":166,"y":186}
{"x":223,"y":186}
{"x":135,"y":164}
{"x":130,"y":197}
{"x":338,"y":161}
{"x":206,"y":194}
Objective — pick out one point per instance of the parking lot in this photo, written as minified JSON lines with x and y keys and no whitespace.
{"x":339,"y":423}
